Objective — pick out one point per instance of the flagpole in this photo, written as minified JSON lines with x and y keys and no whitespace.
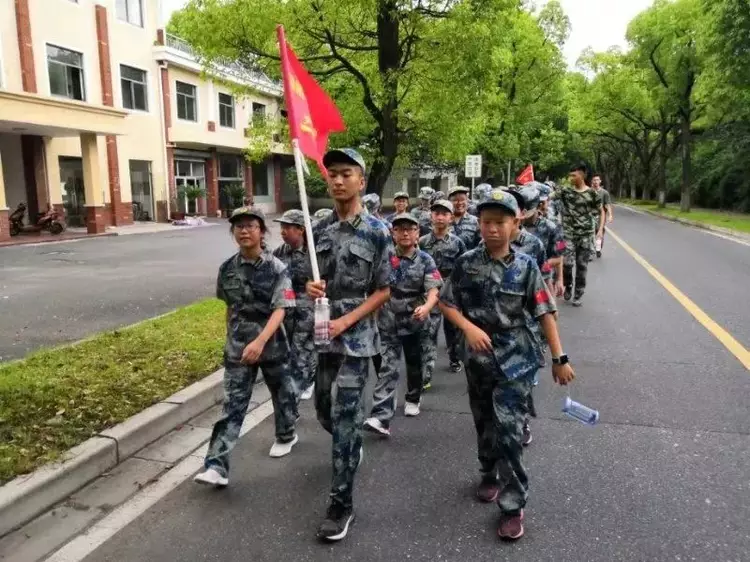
{"x":298,"y":163}
{"x":298,"y":158}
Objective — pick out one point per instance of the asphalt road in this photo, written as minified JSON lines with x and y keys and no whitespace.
{"x":56,"y":293}
{"x":664,"y":476}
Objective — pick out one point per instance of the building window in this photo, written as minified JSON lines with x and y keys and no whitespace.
{"x":259,"y":113}
{"x":231,"y":181}
{"x":186,"y":102}
{"x":65,"y":73}
{"x":226,"y":111}
{"x":140,"y":190}
{"x":130,"y":11}
{"x":260,"y":179}
{"x":134,"y":89}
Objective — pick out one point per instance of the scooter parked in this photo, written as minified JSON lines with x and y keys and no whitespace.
{"x":51,"y":221}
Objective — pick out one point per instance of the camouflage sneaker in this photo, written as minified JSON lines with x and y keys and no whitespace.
{"x":456,"y":366}
{"x":527,"y":438}
{"x":511,"y":527}
{"x":488,"y":489}
{"x":568,"y":293}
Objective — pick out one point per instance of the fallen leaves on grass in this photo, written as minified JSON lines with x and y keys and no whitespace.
{"x":56,"y":399}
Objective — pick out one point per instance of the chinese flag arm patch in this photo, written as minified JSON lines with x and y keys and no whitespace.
{"x":289,"y":294}
{"x":546,"y":267}
{"x":541,"y":297}
{"x":395,"y":262}
{"x":560,"y":246}
{"x":436,"y":275}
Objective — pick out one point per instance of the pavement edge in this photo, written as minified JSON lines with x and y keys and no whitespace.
{"x":29,"y":495}
{"x":687,"y":222}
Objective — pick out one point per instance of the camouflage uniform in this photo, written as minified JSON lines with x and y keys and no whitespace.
{"x":499,"y":297}
{"x":606,"y":201}
{"x":445,"y":251}
{"x":551,"y":237}
{"x":252,"y":290}
{"x":414,"y":275}
{"x":467,"y":229}
{"x":423,"y":214}
{"x":300,"y":322}
{"x":579,"y":210}
{"x":355,"y":260}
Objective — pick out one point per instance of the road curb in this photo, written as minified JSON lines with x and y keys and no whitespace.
{"x":27,"y":496}
{"x":694,"y":224}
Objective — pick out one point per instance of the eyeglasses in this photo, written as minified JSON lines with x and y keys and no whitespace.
{"x":248,"y":227}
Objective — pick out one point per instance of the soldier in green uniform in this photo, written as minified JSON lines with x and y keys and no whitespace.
{"x":581,"y":208}
{"x":403,"y":324}
{"x":257,"y":290}
{"x":489,"y":296}
{"x":298,"y":323}
{"x":355,"y":253}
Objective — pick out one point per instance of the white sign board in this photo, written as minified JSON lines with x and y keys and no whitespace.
{"x":473,"y":166}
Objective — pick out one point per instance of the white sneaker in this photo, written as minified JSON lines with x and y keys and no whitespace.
{"x":374,"y":424}
{"x":361,"y":455}
{"x":280,"y":449}
{"x":411,"y":409}
{"x":211,"y":477}
{"x":307,"y":394}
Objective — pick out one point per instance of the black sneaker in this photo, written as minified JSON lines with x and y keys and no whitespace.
{"x":568,"y":293}
{"x":598,"y":254}
{"x":336,"y":524}
{"x":456,"y":366}
{"x":577,"y":299}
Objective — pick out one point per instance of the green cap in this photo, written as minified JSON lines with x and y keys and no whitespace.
{"x":292,"y":216}
{"x":457,"y":189}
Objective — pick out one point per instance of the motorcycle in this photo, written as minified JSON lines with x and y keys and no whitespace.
{"x":51,"y":221}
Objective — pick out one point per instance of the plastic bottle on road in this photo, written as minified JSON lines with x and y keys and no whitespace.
{"x":579,"y":412}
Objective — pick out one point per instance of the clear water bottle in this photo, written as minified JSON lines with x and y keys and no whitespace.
{"x":322,"y":318}
{"x":579,"y":412}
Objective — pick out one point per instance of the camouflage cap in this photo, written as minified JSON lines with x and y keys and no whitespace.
{"x":323,"y":213}
{"x":442,"y":205}
{"x":531,"y":196}
{"x":502,"y":199}
{"x":404,"y":217}
{"x":481,"y":191}
{"x":400,"y":195}
{"x":248,"y":211}
{"x":544,"y":191}
{"x":371,"y":201}
{"x":426,"y":192}
{"x":344,"y":155}
{"x":519,"y":199}
{"x":455,"y":190}
{"x":292,"y":216}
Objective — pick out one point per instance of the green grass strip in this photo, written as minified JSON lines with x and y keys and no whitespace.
{"x":733,"y":221}
{"x":55,"y":399}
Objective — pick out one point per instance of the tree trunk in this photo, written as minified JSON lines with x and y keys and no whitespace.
{"x":389,"y":60}
{"x":663,"y":159}
{"x":685,"y":188}
{"x":633,"y":188}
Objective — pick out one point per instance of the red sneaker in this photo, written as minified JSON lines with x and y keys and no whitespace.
{"x":511,"y":527}
{"x":488,"y":489}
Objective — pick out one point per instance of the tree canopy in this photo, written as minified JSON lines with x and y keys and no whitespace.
{"x":422,"y":83}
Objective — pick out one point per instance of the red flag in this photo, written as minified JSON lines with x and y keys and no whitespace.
{"x":527,"y":176}
{"x":312,"y":113}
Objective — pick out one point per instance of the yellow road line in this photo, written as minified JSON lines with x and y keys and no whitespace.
{"x":727,"y":340}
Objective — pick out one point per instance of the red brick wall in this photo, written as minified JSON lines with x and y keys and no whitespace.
{"x":4,"y":226}
{"x":248,"y":179}
{"x":167,"y":101}
{"x":212,"y":185}
{"x":25,"y":46}
{"x":95,"y":220}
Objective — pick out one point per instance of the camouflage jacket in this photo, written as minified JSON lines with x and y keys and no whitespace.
{"x":579,"y":210}
{"x":502,"y":297}
{"x":297,"y":261}
{"x":252,"y":290}
{"x":424,"y":216}
{"x":550,"y":234}
{"x":467,"y":229}
{"x":355,"y":258}
{"x":445,"y":251}
{"x":414,"y":275}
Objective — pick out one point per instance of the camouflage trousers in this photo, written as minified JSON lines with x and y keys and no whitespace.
{"x":430,"y":357}
{"x":238,"y":389}
{"x":453,"y":341}
{"x":339,"y":402}
{"x":578,"y":254}
{"x":304,"y":357}
{"x":415,"y":347}
{"x":499,"y":407}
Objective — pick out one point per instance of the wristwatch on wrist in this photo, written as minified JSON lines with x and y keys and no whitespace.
{"x":562,"y":360}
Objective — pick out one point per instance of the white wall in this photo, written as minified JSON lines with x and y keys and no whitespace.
{"x":12,"y":162}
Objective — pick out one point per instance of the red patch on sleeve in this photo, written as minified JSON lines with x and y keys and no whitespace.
{"x":436,"y":275}
{"x":289,"y":294}
{"x":560,"y":246}
{"x":541,"y":296}
{"x":395,"y":262}
{"x":546,"y":267}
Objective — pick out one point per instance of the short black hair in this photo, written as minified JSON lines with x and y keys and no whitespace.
{"x":580,"y":168}
{"x":596,"y":175}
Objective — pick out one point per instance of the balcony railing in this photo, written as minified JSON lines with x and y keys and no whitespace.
{"x":231,"y":68}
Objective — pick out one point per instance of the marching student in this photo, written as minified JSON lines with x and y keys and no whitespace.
{"x":465,"y":226}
